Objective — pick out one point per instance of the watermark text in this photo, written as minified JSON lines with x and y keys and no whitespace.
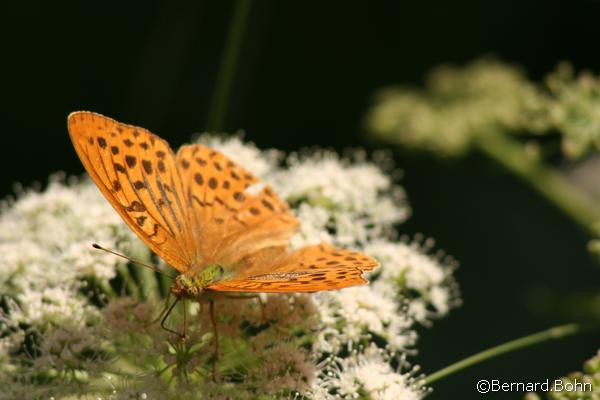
{"x":557,"y":385}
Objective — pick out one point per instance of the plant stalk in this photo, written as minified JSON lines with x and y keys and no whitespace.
{"x":547,"y":181}
{"x":229,"y":59}
{"x":557,"y":332}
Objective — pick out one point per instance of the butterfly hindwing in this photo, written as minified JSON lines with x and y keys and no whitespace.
{"x":294,"y":282}
{"x":264,"y":221}
{"x":310,"y":269}
{"x":233,"y":222}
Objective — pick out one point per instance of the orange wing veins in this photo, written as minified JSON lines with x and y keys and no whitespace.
{"x":136,"y":172}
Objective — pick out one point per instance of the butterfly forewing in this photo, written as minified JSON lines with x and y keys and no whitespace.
{"x":212,"y":180}
{"x":136,"y":171}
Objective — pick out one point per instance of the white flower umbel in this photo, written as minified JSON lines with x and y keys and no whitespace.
{"x":58,"y":306}
{"x":352,"y":315}
{"x":46,"y":260}
{"x":313,"y":229}
{"x":368,"y":374}
{"x":45,"y":254}
{"x":409,"y":267}
{"x":45,"y":237}
{"x":361,"y":201}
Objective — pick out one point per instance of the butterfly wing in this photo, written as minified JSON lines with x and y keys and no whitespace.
{"x":234,"y":223}
{"x":136,"y":171}
{"x":310,"y":269}
{"x":264,"y":222}
{"x":193,"y":209}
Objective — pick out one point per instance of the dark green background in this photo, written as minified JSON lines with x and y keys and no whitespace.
{"x":306,"y":75}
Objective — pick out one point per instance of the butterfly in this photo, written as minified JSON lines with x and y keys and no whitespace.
{"x":193,"y":209}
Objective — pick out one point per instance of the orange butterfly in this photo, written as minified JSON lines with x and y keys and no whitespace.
{"x":193,"y":210}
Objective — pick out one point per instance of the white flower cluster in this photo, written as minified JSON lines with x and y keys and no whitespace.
{"x":355,"y":204}
{"x":357,"y":198}
{"x":409,"y":267}
{"x":370,"y":372}
{"x":45,"y":236}
{"x":45,"y":259}
{"x":347,"y":202}
{"x":46,"y":253}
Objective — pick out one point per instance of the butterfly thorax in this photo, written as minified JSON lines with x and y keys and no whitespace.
{"x":192,"y":286}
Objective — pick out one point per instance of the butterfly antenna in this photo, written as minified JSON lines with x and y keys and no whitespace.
{"x":133,"y":260}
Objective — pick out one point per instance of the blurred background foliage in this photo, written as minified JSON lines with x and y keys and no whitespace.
{"x":306,"y":76}
{"x":527,"y":128}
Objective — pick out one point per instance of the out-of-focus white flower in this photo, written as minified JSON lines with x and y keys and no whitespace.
{"x":351,"y":315}
{"x":405,"y":261}
{"x":370,"y":373}
{"x":441,"y":299}
{"x":10,"y":339}
{"x":408,"y":266}
{"x":360,"y":200}
{"x":456,"y":106}
{"x":58,"y":305}
{"x":325,"y":179}
{"x":45,"y":237}
{"x":313,"y":229}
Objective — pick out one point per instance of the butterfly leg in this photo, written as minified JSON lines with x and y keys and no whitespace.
{"x":213,"y":320}
{"x":162,"y":323}
{"x":162,"y":313}
{"x":183,"y":335}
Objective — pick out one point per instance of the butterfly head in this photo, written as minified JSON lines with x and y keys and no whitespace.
{"x":192,"y":286}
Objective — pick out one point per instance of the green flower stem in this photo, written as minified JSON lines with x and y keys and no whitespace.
{"x":220,"y":99}
{"x":556,"y":332}
{"x":547,"y":181}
